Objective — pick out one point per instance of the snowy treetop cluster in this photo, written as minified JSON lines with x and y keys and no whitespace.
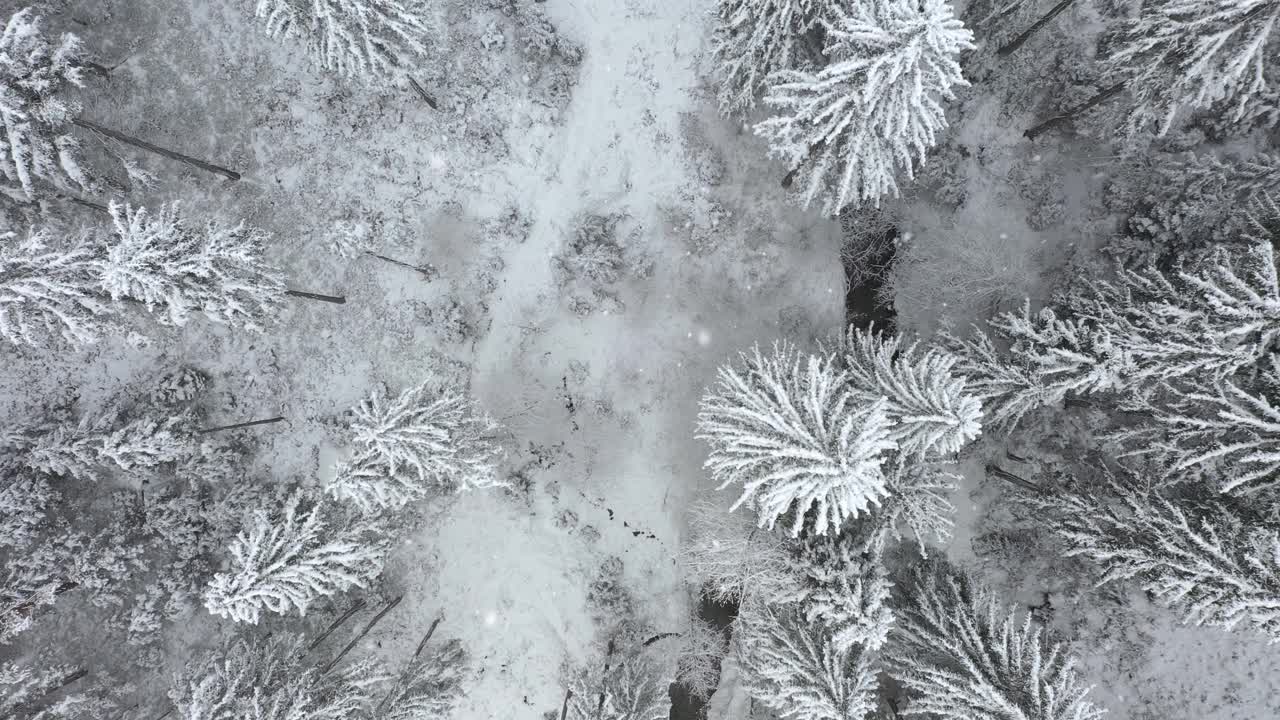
{"x":360,"y":38}
{"x":36,"y":143}
{"x":856,"y":91}
{"x":814,"y":434}
{"x":77,"y":287}
{"x":848,"y":446}
{"x":1180,"y":54}
{"x":269,"y":677}
{"x":876,"y":108}
{"x":429,"y":437}
{"x":1193,"y":350}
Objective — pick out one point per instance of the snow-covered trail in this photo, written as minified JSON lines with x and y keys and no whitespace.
{"x":612,"y":398}
{"x":601,"y":160}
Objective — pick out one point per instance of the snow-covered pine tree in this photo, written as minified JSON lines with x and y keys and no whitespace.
{"x":960,"y":655}
{"x":1133,"y":335}
{"x":1048,"y":357}
{"x":787,"y":430}
{"x":146,"y":443}
{"x":1242,"y":179}
{"x":370,"y":485}
{"x":754,"y":38}
{"x":876,"y":109}
{"x":216,"y":270}
{"x":81,"y":450}
{"x":288,"y":560}
{"x":355,"y":38}
{"x":1208,"y":321}
{"x":48,"y":294}
{"x":433,"y":431}
{"x":430,"y":436}
{"x":187,"y":527}
{"x":931,"y":412}
{"x":177,"y":388}
{"x":35,"y":135}
{"x":266,"y":678}
{"x":1192,"y":54}
{"x":1214,"y":559}
{"x":360,"y":233}
{"x":791,"y":666}
{"x":354,"y":235}
{"x":154,"y":553}
{"x":429,"y":687}
{"x":846,"y":587}
{"x":625,"y":689}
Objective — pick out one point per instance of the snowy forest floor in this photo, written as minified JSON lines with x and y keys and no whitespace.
{"x":488,"y":189}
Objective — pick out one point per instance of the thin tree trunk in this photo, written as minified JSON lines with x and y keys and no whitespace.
{"x":128,"y":140}
{"x":1022,"y":39}
{"x":33,"y":706}
{"x":427,"y":272}
{"x":1071,"y":114}
{"x":121,"y":61}
{"x":659,"y":636}
{"x":416,"y":654}
{"x":236,"y":426}
{"x":336,"y":300}
{"x":425,"y":97}
{"x":1000,"y":12}
{"x":423,"y":645}
{"x":86,"y":203}
{"x":35,"y":204}
{"x":70,"y":678}
{"x":607,"y":656}
{"x":564,"y":706}
{"x":359,"y":605}
{"x":102,"y":70}
{"x":63,"y":588}
{"x":1074,"y":401}
{"x":382,"y":613}
{"x":791,"y":174}
{"x":996,"y":470}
